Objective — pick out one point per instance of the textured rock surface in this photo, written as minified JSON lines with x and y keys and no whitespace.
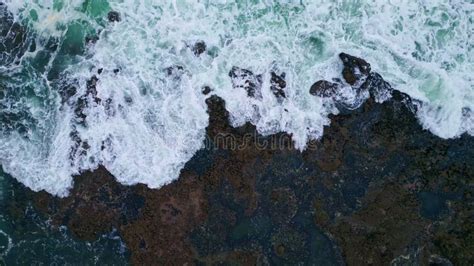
{"x":376,"y":189}
{"x":323,"y":88}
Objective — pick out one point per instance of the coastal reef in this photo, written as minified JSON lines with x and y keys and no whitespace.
{"x":376,"y":189}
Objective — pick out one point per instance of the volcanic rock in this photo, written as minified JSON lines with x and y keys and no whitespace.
{"x":247,"y":80}
{"x":356,"y":194}
{"x":354,"y":68}
{"x":323,"y":88}
{"x":199,"y":48}
{"x":114,"y":16}
{"x":278,"y":84}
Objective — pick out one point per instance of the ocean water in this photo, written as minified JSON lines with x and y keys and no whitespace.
{"x":145,"y":114}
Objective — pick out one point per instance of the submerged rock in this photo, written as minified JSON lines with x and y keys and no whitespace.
{"x":355,"y":194}
{"x":364,"y":84}
{"x":355,"y":69}
{"x":379,"y":89}
{"x":91,"y":39}
{"x":206,"y":90}
{"x":67,"y":92}
{"x":175,"y":72}
{"x":278,"y":84}
{"x":114,"y":16}
{"x":92,"y":88}
{"x":323,"y":88}
{"x":247,"y":80}
{"x":358,"y":178}
{"x":199,"y":48}
{"x":14,"y":41}
{"x":83,"y":101}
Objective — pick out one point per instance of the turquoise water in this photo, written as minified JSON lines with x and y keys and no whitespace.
{"x":145,"y":116}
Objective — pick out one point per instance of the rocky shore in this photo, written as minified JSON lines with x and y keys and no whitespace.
{"x":376,"y":189}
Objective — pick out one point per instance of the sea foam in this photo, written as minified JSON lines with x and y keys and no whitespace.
{"x":151,"y":116}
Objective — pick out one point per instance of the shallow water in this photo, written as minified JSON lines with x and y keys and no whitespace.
{"x":26,"y":238}
{"x":151,"y":119}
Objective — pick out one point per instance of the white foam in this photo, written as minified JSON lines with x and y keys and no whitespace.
{"x":423,"y":48}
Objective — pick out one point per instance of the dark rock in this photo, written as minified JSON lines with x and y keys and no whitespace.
{"x":83,"y":101}
{"x":354,"y":68}
{"x":67,"y":92}
{"x":355,"y":62}
{"x":288,"y":244}
{"x":14,"y":41}
{"x":32,"y":47}
{"x":199,"y":48}
{"x":52,"y":45}
{"x":91,"y":39}
{"x":355,"y":185}
{"x":109,"y":107}
{"x":354,"y":194}
{"x":246,"y":79}
{"x":436,"y":260}
{"x":379,"y":89}
{"x":100,"y":70}
{"x":323,"y":88}
{"x":116,"y":71}
{"x":175,"y":71}
{"x":91,"y":85}
{"x":92,"y":88}
{"x":142,"y":245}
{"x":79,"y":108}
{"x":360,"y":227}
{"x":114,"y":16}
{"x":74,"y":136}
{"x":218,"y":116}
{"x":283,"y":205}
{"x":349,"y":76}
{"x":411,"y":104}
{"x":357,"y":70}
{"x":7,"y":20}
{"x":206,"y":90}
{"x":128,"y":99}
{"x":278,"y":84}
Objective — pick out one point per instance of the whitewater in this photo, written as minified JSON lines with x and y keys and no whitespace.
{"x":144,"y":115}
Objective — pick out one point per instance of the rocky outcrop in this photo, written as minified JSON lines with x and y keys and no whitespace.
{"x":376,"y":189}
{"x":247,"y":80}
{"x":199,"y":47}
{"x":324,"y":88}
{"x":206,"y":90}
{"x":278,"y":85}
{"x":14,"y":40}
{"x":355,"y":69}
{"x":114,"y":16}
{"x":252,"y":83}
